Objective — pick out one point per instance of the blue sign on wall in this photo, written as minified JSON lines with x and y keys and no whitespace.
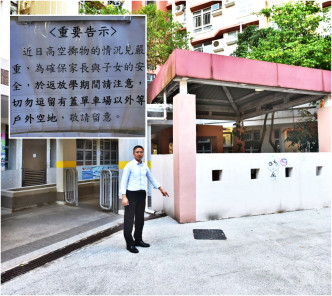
{"x":93,"y":172}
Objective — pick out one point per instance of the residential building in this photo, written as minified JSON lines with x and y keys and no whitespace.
{"x":214,"y":26}
{"x":13,"y":7}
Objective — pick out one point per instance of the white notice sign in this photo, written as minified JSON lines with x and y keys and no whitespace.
{"x":83,"y":77}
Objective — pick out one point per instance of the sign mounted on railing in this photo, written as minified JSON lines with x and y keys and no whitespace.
{"x":78,"y":76}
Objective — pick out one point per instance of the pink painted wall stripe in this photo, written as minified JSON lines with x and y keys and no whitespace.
{"x":192,"y":64}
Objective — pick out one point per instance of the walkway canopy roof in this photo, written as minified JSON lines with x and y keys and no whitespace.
{"x":232,"y":88}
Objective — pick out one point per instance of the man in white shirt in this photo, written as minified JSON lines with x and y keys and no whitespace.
{"x":133,"y":190}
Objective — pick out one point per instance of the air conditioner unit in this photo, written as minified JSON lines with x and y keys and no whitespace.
{"x":229,"y":3}
{"x":179,"y":9}
{"x":217,"y":45}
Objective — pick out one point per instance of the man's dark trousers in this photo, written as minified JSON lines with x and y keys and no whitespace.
{"x":135,"y":209}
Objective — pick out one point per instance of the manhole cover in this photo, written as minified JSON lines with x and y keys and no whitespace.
{"x":209,"y":234}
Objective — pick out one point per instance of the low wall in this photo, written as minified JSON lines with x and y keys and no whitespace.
{"x":249,"y":184}
{"x":162,"y":170}
{"x":88,"y":189}
{"x":246,"y":184}
{"x":29,"y":196}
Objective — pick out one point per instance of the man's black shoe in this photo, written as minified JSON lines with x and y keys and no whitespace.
{"x":132,"y":249}
{"x":141,"y":244}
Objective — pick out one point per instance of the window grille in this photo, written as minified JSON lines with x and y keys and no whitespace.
{"x":108,"y":151}
{"x":86,"y":152}
{"x":202,"y":20}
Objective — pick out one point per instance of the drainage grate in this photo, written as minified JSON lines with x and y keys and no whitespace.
{"x":24,"y":268}
{"x":213,"y":234}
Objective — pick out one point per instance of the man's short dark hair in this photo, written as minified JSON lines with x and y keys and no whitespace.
{"x":137,"y":146}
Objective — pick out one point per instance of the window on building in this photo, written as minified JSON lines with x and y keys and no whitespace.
{"x":115,"y":3}
{"x":256,"y":135}
{"x":252,"y":141}
{"x":150,"y":77}
{"x":232,"y":35}
{"x":86,"y":152}
{"x":198,"y":47}
{"x":204,"y":146}
{"x":108,"y":151}
{"x":202,"y":20}
{"x":245,"y":7}
{"x":227,"y":139}
{"x":150,"y":2}
{"x":216,"y":6}
{"x":52,"y":153}
{"x":204,"y":47}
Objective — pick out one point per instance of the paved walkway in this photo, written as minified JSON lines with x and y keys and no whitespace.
{"x":30,"y":233}
{"x":286,"y":253}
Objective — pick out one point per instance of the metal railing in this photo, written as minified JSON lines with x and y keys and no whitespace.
{"x":109,"y":199}
{"x":71,"y":186}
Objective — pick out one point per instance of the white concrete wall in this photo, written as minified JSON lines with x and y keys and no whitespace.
{"x":11,"y":179}
{"x":162,"y":170}
{"x":236,"y":194}
{"x":51,"y":176}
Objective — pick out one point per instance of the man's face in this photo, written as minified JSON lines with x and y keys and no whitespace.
{"x":138,"y":154}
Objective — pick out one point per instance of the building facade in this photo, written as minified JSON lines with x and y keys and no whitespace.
{"x":214,"y":27}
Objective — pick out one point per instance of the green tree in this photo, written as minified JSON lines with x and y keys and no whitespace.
{"x":293,"y":38}
{"x":96,"y":7}
{"x":305,"y":133}
{"x":163,"y":33}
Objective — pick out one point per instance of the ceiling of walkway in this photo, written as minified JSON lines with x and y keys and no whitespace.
{"x":228,"y":88}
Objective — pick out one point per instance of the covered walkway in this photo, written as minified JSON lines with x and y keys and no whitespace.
{"x":208,"y":86}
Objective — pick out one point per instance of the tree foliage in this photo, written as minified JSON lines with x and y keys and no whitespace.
{"x":96,"y":7}
{"x":293,"y":39}
{"x":305,"y":133}
{"x":297,"y":37}
{"x":163,"y":33}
